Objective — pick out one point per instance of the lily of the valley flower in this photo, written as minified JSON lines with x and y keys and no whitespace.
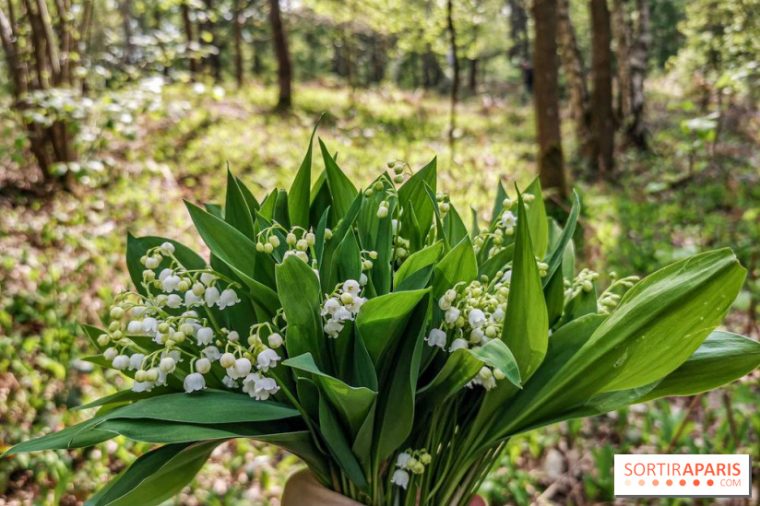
{"x":400,"y":478}
{"x":194,"y":382}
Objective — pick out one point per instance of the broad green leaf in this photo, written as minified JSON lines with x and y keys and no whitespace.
{"x":382,"y":321}
{"x":236,"y":250}
{"x":156,"y":476}
{"x":139,"y":246}
{"x":526,"y":326}
{"x":659,"y":323}
{"x":160,"y":431}
{"x":341,"y":188}
{"x":281,"y":209}
{"x":459,"y":264}
{"x":554,"y":292}
{"x":674,"y":309}
{"x":463,"y":365}
{"x":537,"y":221}
{"x":398,"y":383}
{"x":418,"y":260}
{"x":722,"y":358}
{"x":338,"y":445}
{"x":412,"y":193}
{"x":299,"y":196}
{"x":205,"y":407}
{"x":352,"y":403}
{"x":124,"y":396}
{"x":453,"y":226}
{"x":250,"y":200}
{"x":301,"y":299}
{"x":236,"y":211}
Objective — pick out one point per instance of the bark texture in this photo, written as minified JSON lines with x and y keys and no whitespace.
{"x":284,"y":69}
{"x":451,"y":28}
{"x":636,"y":129}
{"x":546,"y":98}
{"x":601,"y":96}
{"x":575,"y":73}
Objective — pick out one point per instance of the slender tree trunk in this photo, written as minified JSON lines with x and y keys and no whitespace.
{"x":636,"y":131}
{"x":546,"y":98}
{"x":125,"y":9}
{"x":622,"y":33}
{"x":455,"y":67}
{"x":238,"y":36}
{"x":472,"y":78}
{"x":284,"y":71}
{"x":187,"y":23}
{"x":601,"y":96}
{"x":575,"y":73}
{"x":519,"y":52}
{"x":214,"y":59}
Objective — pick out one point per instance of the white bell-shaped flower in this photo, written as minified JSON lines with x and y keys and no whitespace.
{"x":400,"y":478}
{"x":436,"y":337}
{"x":194,"y":382}
{"x":267,"y":359}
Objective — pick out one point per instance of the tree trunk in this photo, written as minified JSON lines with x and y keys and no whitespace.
{"x":546,"y":98}
{"x":455,"y":67}
{"x":519,"y":52}
{"x":214,"y":59}
{"x":601,"y":96}
{"x":622,"y":33}
{"x":636,"y":131}
{"x":187,"y":23}
{"x":280,"y":42}
{"x":238,"y":36}
{"x":125,"y":9}
{"x":472,"y":79}
{"x":575,"y":73}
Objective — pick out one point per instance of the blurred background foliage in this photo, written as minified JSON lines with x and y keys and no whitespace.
{"x":112,"y":111}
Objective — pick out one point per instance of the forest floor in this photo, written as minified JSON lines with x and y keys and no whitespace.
{"x":61,"y":261}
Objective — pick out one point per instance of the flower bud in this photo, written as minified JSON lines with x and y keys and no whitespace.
{"x":275,"y":340}
{"x":302,"y":245}
{"x":103,"y":340}
{"x":291,"y":238}
{"x":268,"y":248}
{"x":274,"y":241}
{"x":116,"y":312}
{"x":167,"y":365}
{"x":202,"y":365}
{"x":227,"y":360}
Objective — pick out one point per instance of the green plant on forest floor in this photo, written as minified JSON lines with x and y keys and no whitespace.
{"x":373,"y":335}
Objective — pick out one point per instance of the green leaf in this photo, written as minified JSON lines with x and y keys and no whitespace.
{"x":498,"y":204}
{"x":237,"y":251}
{"x":156,"y":475}
{"x":459,"y":264}
{"x":674,"y":309}
{"x":236,"y":211}
{"x":555,"y":259}
{"x":338,"y":445}
{"x":659,"y":323}
{"x":526,"y":326}
{"x":463,"y":365}
{"x":382,"y":321}
{"x":722,"y":358}
{"x":398,"y":383}
{"x":139,"y":246}
{"x":352,"y":403}
{"x":497,"y":262}
{"x":453,"y":226}
{"x":301,"y":299}
{"x":299,"y":196}
{"x":341,"y":188}
{"x":537,"y":221}
{"x":412,"y":193}
{"x":161,"y":431}
{"x":418,"y":260}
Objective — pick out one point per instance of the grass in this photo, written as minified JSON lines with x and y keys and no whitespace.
{"x":62,"y":257}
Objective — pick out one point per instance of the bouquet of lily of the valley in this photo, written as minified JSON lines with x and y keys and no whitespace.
{"x":372,"y":334}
